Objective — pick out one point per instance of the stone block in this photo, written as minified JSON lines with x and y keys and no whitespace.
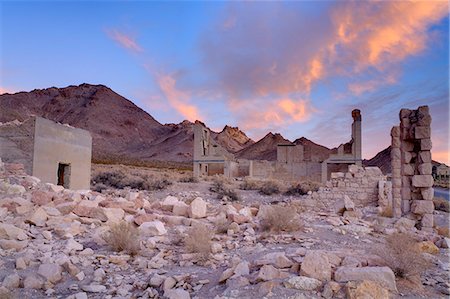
{"x":422,"y":181}
{"x":415,"y":194}
{"x":395,"y":131}
{"x":396,"y":164}
{"x":406,"y":206}
{"x":427,"y":220}
{"x":406,"y":181}
{"x":407,"y":146}
{"x":404,"y":113}
{"x":425,"y":168}
{"x":426,"y":144}
{"x":395,"y":142}
{"x":396,"y":183}
{"x":396,"y":172}
{"x":407,"y":156}
{"x":406,"y":193}
{"x":383,"y":275}
{"x":407,"y":133}
{"x":422,"y":207}
{"x":427,"y":193}
{"x":425,"y":157}
{"x":422,"y":132}
{"x":396,"y":154}
{"x":408,"y":169}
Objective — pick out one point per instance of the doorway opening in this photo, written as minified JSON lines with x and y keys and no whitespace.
{"x":64,"y":175}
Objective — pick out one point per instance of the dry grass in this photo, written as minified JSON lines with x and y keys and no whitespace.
{"x":188,"y":179}
{"x":123,"y":236}
{"x":198,"y":240}
{"x":250,"y":184}
{"x":279,"y":218}
{"x":222,"y":225}
{"x":402,"y":255}
{"x":302,"y":188}
{"x":120,"y":179}
{"x":441,"y":204}
{"x":270,"y":187}
{"x":387,"y":212}
{"x":223,"y":188}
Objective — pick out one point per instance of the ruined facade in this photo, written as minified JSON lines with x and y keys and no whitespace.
{"x":350,"y":153}
{"x":412,"y":180}
{"x":292,"y":164}
{"x":54,"y":153}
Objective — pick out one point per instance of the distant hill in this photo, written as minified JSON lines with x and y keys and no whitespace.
{"x":264,"y":149}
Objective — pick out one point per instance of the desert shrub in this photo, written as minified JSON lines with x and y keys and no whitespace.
{"x":441,"y":204}
{"x":403,"y":256}
{"x":222,"y":225}
{"x":387,"y":212}
{"x":121,"y":180}
{"x":302,"y":188}
{"x":250,"y":184}
{"x":222,"y":189}
{"x":279,"y":218}
{"x":188,"y":179}
{"x":269,"y":188}
{"x":123,"y":236}
{"x":198,"y":240}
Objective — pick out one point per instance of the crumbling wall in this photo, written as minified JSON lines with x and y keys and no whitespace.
{"x":359,"y":184}
{"x":412,"y":180}
{"x":16,"y":143}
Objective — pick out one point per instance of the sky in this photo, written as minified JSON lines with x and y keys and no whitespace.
{"x":298,"y":68}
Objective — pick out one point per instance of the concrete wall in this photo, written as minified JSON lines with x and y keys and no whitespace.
{"x":55,"y":143}
{"x":16,"y":143}
{"x":304,"y":171}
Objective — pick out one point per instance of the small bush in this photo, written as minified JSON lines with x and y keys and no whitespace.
{"x":279,"y":218}
{"x":441,"y":204}
{"x":387,"y":212}
{"x":188,"y":179}
{"x":269,"y":188}
{"x":121,"y":180}
{"x":198,"y":240}
{"x":222,"y":225}
{"x":250,"y":184}
{"x":402,"y":255}
{"x":302,"y":188}
{"x":123,"y":236}
{"x":222,"y":190}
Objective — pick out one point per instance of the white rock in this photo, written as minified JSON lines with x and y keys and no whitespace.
{"x":152,"y":228}
{"x":81,"y":295}
{"x":316,"y":265}
{"x":169,"y":202}
{"x":11,"y":232}
{"x":73,"y":245}
{"x":197,"y":208}
{"x":94,"y":288}
{"x":11,"y":281}
{"x":382,"y":275}
{"x":177,"y":294}
{"x":33,"y":281}
{"x":180,"y":209}
{"x":114,"y":215}
{"x":303,"y":283}
{"x":52,"y":272}
{"x":39,"y":217}
{"x":242,"y":269}
{"x":277,"y":259}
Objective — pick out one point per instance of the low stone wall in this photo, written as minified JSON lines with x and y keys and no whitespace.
{"x":359,"y":184}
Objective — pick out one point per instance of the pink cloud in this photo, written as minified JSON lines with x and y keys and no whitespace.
{"x":126,"y":41}
{"x":178,"y":99}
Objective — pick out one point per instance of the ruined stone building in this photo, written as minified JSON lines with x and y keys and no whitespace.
{"x":291,"y":164}
{"x":54,"y":153}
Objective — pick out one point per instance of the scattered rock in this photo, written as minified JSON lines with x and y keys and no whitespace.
{"x":366,"y":289}
{"x":177,"y":294}
{"x":197,"y":208}
{"x":277,"y":259}
{"x":152,"y":228}
{"x":303,"y":283}
{"x":33,"y":281}
{"x":383,"y":275}
{"x":316,"y":265}
{"x":428,"y":247}
{"x":52,"y":272}
{"x":11,"y":281}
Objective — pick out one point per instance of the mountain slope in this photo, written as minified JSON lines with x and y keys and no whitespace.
{"x":312,"y":151}
{"x":120,"y":130}
{"x":264,"y":149}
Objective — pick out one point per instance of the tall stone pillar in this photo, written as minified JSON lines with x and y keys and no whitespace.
{"x":356,"y":136}
{"x":411,"y":145}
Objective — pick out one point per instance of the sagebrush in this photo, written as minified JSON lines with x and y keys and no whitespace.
{"x":222,"y":189}
{"x":403,"y":256}
{"x":269,"y":187}
{"x":198,"y":240}
{"x":123,"y":236}
{"x":119,"y":180}
{"x":280,"y":218}
{"x":302,"y":188}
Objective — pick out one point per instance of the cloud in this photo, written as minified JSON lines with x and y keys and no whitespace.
{"x":4,"y":90}
{"x":178,"y":99}
{"x":126,"y":41}
{"x":273,"y":51}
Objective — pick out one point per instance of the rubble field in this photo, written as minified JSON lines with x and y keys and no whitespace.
{"x":182,"y":240}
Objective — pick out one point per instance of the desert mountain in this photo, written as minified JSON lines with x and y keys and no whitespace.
{"x":264,"y":149}
{"x":313,"y":151}
{"x":120,"y":129}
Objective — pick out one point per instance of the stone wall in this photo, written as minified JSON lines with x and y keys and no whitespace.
{"x":359,"y":184}
{"x":412,"y":180}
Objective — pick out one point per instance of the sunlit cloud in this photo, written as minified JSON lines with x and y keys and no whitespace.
{"x":178,"y":99}
{"x":441,"y":156}
{"x":6,"y":90}
{"x":125,"y":40}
